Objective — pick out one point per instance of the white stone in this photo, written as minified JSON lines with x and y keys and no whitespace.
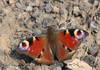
{"x":7,"y":10}
{"x":76,"y":10}
{"x":76,"y":64}
{"x":29,"y":8}
{"x":13,"y":68}
{"x":4,"y":43}
{"x":12,"y":1}
{"x":98,"y":38}
{"x":56,"y":9}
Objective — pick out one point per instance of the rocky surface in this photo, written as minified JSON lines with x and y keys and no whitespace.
{"x":20,"y":19}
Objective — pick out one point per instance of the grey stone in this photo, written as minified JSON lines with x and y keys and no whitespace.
{"x":93,"y":50}
{"x":48,"y":8}
{"x":46,"y":1}
{"x":90,"y":60}
{"x":48,"y":21}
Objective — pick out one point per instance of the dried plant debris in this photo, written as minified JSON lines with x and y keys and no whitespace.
{"x":21,"y":19}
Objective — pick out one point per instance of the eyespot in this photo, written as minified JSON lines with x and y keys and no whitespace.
{"x":24,"y":45}
{"x":79,"y":34}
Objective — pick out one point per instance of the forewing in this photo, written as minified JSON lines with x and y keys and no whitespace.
{"x":67,"y":44}
{"x":39,"y":50}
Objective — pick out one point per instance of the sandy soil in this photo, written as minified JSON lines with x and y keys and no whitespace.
{"x":20,"y":19}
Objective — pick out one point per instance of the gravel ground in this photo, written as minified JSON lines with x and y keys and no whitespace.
{"x":20,"y":19}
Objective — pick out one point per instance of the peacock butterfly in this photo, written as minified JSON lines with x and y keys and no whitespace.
{"x":53,"y":46}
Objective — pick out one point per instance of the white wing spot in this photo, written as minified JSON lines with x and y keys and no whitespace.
{"x":34,"y":38}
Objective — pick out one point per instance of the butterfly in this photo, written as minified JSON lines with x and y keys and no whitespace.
{"x":53,"y":46}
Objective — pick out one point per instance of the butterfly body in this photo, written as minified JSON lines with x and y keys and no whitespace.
{"x":54,"y":46}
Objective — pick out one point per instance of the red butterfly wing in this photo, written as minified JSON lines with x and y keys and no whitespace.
{"x":38,"y":49}
{"x":68,"y":42}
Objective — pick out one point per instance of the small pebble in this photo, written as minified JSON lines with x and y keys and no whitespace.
{"x":93,"y":50}
{"x":63,"y":25}
{"x":46,"y":1}
{"x":76,"y":10}
{"x":48,"y":8}
{"x":93,"y":24}
{"x":90,"y":60}
{"x":12,"y":1}
{"x":18,"y":5}
{"x":29,"y":8}
{"x":48,"y":22}
{"x":98,"y":38}
{"x":96,"y":2}
{"x":12,"y":68}
{"x":56,"y":9}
